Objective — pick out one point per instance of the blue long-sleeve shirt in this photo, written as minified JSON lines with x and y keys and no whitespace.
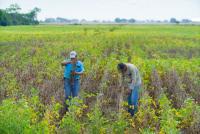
{"x":77,"y":68}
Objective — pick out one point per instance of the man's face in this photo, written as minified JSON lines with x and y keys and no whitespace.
{"x":73,"y":60}
{"x":123,"y":70}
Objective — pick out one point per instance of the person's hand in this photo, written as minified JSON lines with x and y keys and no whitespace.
{"x":68,"y":62}
{"x":73,"y":73}
{"x":65,"y":62}
{"x":128,"y":92}
{"x":131,"y":107}
{"x":131,"y":85}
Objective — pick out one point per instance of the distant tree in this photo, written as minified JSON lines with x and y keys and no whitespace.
{"x":3,"y":18}
{"x":173,"y":20}
{"x":11,"y":16}
{"x":14,"y":8}
{"x":132,"y":20}
{"x":83,"y":21}
{"x":117,"y":20}
{"x":165,"y":21}
{"x":32,"y":15}
{"x":186,"y":21}
{"x":74,"y":21}
{"x":50,"y":20}
{"x":62,"y":20}
{"x":123,"y":20}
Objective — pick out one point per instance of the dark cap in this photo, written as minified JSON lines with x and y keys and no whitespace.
{"x":121,"y":66}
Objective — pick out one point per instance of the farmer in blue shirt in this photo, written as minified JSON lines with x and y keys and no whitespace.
{"x":73,"y":69}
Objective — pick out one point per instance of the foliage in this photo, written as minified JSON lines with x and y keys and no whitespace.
{"x":97,"y":123}
{"x":146,"y":116}
{"x":168,"y":122}
{"x":31,"y":85}
{"x":71,"y":121}
{"x":11,"y":16}
{"x":15,"y":116}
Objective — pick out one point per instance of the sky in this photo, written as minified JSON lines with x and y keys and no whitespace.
{"x":110,"y":9}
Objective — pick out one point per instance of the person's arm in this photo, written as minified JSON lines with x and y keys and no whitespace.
{"x":123,"y":85}
{"x":82,"y":70}
{"x":65,"y":62}
{"x":123,"y":80}
{"x":79,"y":73}
{"x":133,"y":76}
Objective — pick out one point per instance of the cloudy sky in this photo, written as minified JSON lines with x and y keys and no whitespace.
{"x":110,"y":9}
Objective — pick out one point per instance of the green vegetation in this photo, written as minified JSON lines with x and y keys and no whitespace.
{"x":31,"y":86}
{"x":12,"y":16}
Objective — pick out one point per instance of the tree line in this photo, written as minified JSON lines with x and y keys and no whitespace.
{"x":116,"y":20}
{"x":12,"y":16}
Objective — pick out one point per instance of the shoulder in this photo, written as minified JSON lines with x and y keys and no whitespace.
{"x":131,"y":66}
{"x":79,"y":62}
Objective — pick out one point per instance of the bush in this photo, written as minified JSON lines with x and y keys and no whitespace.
{"x":168,"y":122}
{"x":71,"y":121}
{"x":15,"y":116}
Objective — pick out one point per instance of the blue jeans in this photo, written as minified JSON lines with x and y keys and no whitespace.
{"x":133,"y":100}
{"x":71,"y":88}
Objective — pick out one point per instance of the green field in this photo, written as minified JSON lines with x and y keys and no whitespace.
{"x":31,"y":79}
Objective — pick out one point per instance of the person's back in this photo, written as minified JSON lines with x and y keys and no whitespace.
{"x":133,"y":73}
{"x":131,"y":79}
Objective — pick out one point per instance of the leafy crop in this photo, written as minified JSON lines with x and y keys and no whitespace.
{"x":31,"y":79}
